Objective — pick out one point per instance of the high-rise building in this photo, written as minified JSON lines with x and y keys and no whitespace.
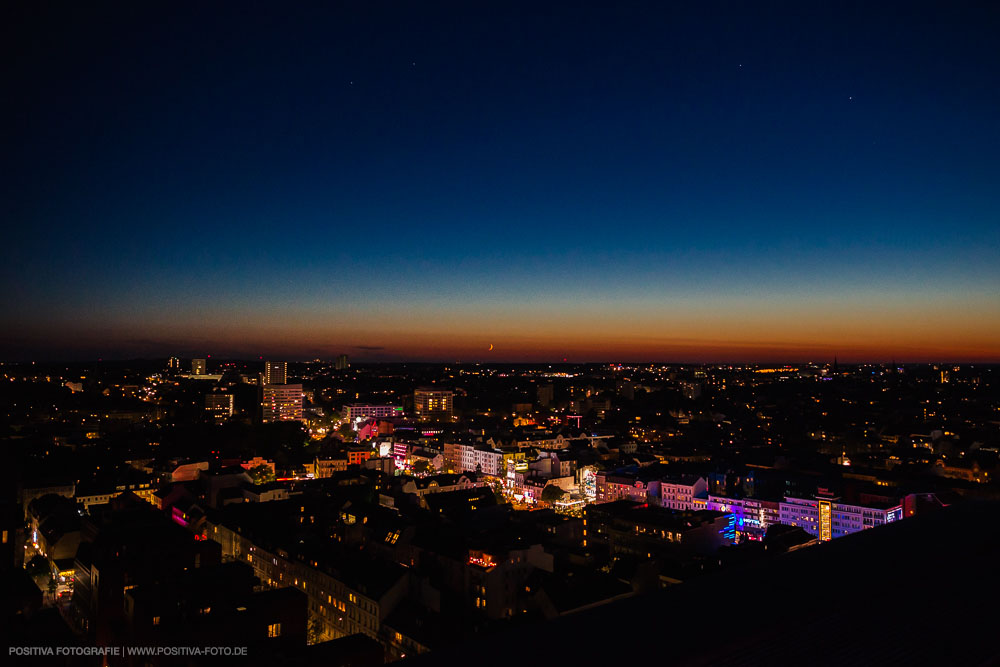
{"x":281,"y":402}
{"x":275,"y":372}
{"x":174,"y":364}
{"x":429,"y":403}
{"x":545,"y":392}
{"x":198,"y":367}
{"x":342,"y":363}
{"x":219,"y":406}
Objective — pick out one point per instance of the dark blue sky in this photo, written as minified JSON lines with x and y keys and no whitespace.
{"x":697,"y":181}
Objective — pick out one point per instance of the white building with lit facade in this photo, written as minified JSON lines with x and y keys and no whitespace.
{"x":371,"y":411}
{"x":827,"y":518}
{"x":678,"y":493}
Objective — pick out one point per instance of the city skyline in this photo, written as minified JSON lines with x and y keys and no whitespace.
{"x":427,"y":333}
{"x":688,"y":184}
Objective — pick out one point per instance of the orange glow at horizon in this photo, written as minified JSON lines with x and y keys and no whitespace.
{"x":589,"y":341}
{"x":792,"y":329}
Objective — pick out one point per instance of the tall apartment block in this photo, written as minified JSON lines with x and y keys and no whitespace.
{"x":429,"y":403}
{"x":281,"y":402}
{"x":219,"y":406}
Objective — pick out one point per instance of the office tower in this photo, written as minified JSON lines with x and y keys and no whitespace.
{"x":219,"y":406}
{"x":281,"y":402}
{"x":198,"y":367}
{"x":429,"y":403}
{"x":342,"y":363}
{"x":174,"y":364}
{"x":275,"y":372}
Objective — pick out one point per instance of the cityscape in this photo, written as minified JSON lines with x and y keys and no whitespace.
{"x":490,"y":334}
{"x":359,"y":513}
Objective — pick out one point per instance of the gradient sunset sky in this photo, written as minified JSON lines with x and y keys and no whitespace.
{"x":416,"y":180}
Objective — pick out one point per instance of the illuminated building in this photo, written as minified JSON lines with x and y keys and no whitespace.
{"x":198,"y":367}
{"x":351,"y":412}
{"x":612,"y":486}
{"x":281,"y":402}
{"x":558,"y":442}
{"x":520,"y":461}
{"x":452,"y":452}
{"x":588,"y":482}
{"x":323,"y":468}
{"x":433,"y":403}
{"x":752,"y":516}
{"x":678,"y":493}
{"x":275,"y":372}
{"x":258,"y":461}
{"x":358,"y":455}
{"x":98,"y":494}
{"x":495,"y":579}
{"x":174,"y":364}
{"x":421,"y":487}
{"x":432,"y":459}
{"x":346,"y":595}
{"x":827,"y":518}
{"x":369,"y":428}
{"x":342,"y":363}
{"x":219,"y":406}
{"x":481,"y":458}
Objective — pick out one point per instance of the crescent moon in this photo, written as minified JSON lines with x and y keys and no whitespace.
{"x":491,"y":347}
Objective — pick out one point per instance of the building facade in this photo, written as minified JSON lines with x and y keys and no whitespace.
{"x":752,"y":517}
{"x":482,"y":459}
{"x":827,"y":518}
{"x":340,"y":603}
{"x":351,"y":412}
{"x":219,"y":407}
{"x":275,"y":372}
{"x":281,"y":402}
{"x":434,"y":404}
{"x":679,"y":493}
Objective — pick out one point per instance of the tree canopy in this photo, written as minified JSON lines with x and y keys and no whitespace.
{"x":552,"y":493}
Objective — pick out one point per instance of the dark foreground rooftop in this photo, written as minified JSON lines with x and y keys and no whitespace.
{"x":918,"y":592}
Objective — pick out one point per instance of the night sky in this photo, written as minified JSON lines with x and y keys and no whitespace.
{"x":752,"y":181}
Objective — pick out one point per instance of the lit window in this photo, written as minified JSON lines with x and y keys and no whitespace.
{"x":274,"y":630}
